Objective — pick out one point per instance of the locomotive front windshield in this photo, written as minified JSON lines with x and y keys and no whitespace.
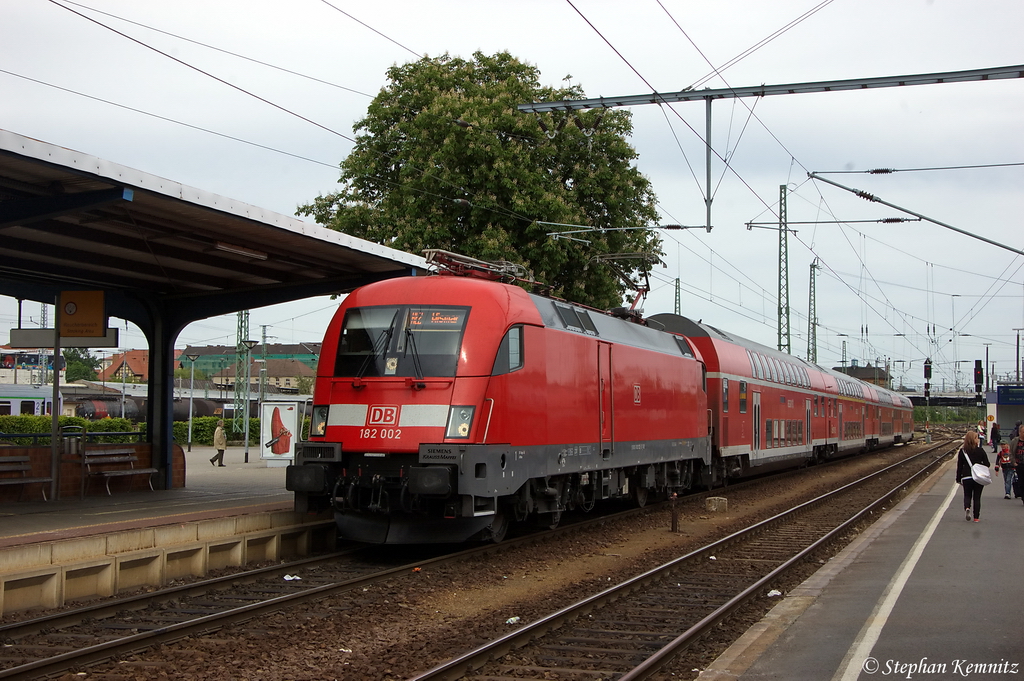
{"x":400,"y":340}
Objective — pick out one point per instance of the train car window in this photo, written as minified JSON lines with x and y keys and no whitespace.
{"x":28,"y":407}
{"x":510,"y":352}
{"x":790,"y":378}
{"x":776,"y":370}
{"x":743,"y":397}
{"x":5,"y":408}
{"x":407,"y":341}
{"x":725,"y":394}
{"x":768,"y":433}
{"x":684,"y":347}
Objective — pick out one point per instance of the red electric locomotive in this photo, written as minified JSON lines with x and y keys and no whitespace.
{"x":446,"y":407}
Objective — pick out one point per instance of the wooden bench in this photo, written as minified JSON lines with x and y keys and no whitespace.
{"x":22,"y":465}
{"x":97,"y":463}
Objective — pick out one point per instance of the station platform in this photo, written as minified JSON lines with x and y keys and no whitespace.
{"x":209,"y":492}
{"x":922,"y":594}
{"x":56,"y":552}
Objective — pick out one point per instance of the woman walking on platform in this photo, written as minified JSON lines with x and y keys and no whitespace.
{"x":972,"y":490}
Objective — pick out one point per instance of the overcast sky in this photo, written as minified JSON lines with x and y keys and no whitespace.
{"x":895,"y":290}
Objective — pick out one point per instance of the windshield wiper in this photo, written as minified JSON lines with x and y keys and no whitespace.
{"x":382,"y":342}
{"x":416,"y":366}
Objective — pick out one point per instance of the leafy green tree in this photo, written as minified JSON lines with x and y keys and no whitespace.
{"x":304,"y":385}
{"x":81,"y":366}
{"x":443,"y":159}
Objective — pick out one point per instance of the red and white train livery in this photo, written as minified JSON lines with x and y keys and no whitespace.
{"x":446,"y":407}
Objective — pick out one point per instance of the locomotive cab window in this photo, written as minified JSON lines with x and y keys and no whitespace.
{"x":510,"y":352}
{"x":407,"y":341}
{"x":684,"y":347}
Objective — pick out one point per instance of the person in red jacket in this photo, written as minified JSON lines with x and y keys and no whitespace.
{"x":972,"y":490}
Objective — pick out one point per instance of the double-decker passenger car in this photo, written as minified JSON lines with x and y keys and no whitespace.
{"x":771,"y":408}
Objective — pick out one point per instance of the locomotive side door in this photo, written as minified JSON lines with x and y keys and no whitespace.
{"x":606,"y":405}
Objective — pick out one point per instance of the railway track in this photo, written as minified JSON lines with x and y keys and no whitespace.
{"x":54,"y":643}
{"x":70,"y":640}
{"x":632,"y":630}
{"x":67,"y":640}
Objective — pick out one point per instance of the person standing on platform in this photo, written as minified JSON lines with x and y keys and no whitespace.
{"x":1017,"y":455}
{"x":220,"y":443}
{"x":982,"y":432}
{"x":972,"y":490}
{"x":1006,"y":463}
{"x":996,"y":437}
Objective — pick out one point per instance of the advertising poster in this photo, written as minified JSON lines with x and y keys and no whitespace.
{"x":279,"y":425}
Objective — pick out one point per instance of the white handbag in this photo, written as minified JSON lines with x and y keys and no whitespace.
{"x":979,"y":471}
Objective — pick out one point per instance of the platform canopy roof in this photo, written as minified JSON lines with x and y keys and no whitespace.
{"x":73,"y":221}
{"x":164,"y":254}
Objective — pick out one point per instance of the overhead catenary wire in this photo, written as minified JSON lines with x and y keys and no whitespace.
{"x":424,"y":173}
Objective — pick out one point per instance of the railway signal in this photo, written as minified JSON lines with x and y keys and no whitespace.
{"x":979,"y":381}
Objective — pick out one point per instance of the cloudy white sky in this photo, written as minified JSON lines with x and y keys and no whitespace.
{"x":897,"y":291}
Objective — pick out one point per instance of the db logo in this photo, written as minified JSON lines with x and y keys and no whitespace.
{"x":381,"y":415}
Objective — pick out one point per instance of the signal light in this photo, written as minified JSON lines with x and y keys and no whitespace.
{"x":979,"y":375}
{"x":927,"y":369}
{"x":927,"y":389}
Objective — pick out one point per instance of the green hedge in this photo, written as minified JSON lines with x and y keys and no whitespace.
{"x":43,"y":424}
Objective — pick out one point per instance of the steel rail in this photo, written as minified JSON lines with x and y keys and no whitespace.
{"x":474,"y":659}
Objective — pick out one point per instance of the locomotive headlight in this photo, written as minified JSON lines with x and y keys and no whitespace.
{"x":460,"y":420}
{"x":318,"y":424}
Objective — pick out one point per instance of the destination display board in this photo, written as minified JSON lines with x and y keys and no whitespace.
{"x":1010,"y":394}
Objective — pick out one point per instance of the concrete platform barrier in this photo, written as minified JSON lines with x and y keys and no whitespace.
{"x":55,"y":573}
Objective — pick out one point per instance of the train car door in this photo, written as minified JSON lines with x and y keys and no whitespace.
{"x":807,"y":423}
{"x":842,"y":434}
{"x":606,"y":403}
{"x":756,"y":440}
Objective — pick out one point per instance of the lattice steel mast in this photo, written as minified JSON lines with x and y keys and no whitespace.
{"x":241,"y":356}
{"x":785,"y":344}
{"x":812,"y":317}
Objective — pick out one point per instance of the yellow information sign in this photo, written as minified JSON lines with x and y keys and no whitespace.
{"x":82,"y":313}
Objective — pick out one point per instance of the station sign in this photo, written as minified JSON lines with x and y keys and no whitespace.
{"x":1010,"y":394}
{"x":43,"y":338}
{"x":82,"y":314}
